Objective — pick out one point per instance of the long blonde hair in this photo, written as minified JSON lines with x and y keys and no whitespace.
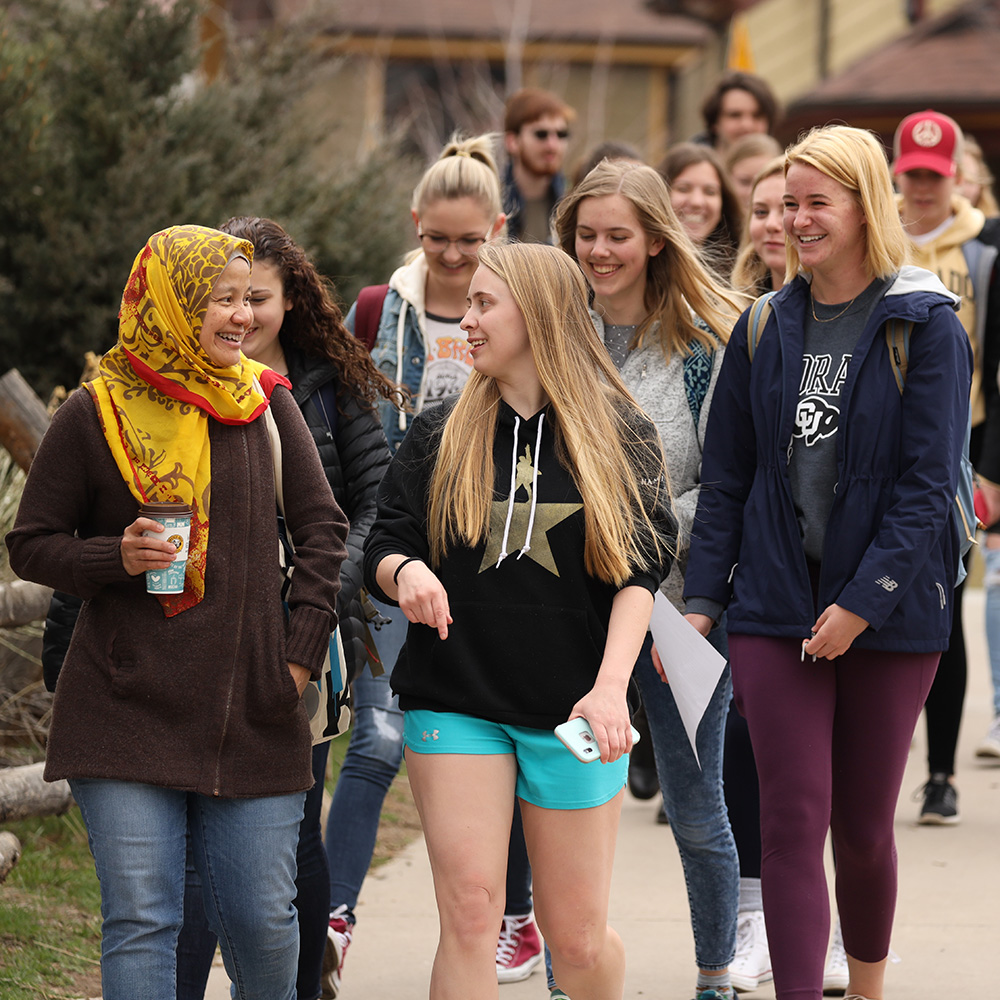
{"x":611,"y":452}
{"x":856,"y":159}
{"x":750,"y":273}
{"x":676,"y":279}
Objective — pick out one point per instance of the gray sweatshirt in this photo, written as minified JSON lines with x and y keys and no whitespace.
{"x":658,"y":386}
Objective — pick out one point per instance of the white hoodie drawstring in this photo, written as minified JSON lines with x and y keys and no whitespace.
{"x":534,"y":489}
{"x":400,"y":330}
{"x":510,"y":499}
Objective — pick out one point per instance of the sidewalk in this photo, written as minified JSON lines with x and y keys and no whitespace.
{"x":947,"y":920}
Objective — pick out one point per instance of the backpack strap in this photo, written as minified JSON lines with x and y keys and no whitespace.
{"x":368,"y":312}
{"x":897,"y":339}
{"x":963,"y":509}
{"x":757,"y":320}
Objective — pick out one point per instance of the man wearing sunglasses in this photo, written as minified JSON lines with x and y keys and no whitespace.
{"x":536,"y":134}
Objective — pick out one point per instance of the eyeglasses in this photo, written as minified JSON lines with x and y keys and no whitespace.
{"x":541,"y":134}
{"x":467,"y":245}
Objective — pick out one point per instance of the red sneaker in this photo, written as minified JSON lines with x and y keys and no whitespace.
{"x":338,"y":939}
{"x":519,"y":949}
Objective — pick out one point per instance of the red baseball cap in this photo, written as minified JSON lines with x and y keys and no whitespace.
{"x":927,"y":140}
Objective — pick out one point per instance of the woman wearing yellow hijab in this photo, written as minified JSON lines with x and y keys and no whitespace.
{"x":179,"y":716}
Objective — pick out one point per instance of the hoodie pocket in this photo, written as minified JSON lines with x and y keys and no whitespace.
{"x":517,"y":658}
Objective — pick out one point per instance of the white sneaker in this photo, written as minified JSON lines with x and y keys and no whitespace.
{"x":752,"y":963}
{"x":990,"y":747}
{"x":836,"y":975}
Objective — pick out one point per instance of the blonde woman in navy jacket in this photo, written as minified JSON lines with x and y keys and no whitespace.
{"x":824,"y":530}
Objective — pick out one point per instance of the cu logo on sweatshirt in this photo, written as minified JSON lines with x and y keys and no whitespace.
{"x":815,"y":419}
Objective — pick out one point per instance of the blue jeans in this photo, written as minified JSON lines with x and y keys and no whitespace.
{"x":244,"y":850}
{"x":696,"y":806}
{"x":196,"y":943}
{"x":370,"y":765}
{"x":991,"y":583}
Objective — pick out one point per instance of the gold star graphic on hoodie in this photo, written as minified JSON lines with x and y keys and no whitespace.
{"x":547,"y":515}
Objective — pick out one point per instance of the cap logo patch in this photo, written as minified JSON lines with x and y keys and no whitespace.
{"x":927,"y":133}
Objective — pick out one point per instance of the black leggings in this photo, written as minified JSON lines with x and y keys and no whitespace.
{"x":947,"y":696}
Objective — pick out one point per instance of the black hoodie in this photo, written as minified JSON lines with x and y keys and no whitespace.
{"x":530,"y":627}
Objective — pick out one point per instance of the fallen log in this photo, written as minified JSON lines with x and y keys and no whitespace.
{"x":24,"y":793}
{"x":23,"y":418}
{"x":22,"y":602}
{"x":10,"y":853}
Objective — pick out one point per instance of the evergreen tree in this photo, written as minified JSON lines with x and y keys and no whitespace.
{"x":108,"y":133}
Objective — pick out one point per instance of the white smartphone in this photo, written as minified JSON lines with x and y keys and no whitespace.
{"x":577,"y":736}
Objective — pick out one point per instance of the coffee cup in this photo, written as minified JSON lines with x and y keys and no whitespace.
{"x":176,"y":521}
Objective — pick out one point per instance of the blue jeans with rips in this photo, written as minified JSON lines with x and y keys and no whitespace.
{"x":244,"y":850}
{"x":696,"y":806}
{"x":370,"y":765}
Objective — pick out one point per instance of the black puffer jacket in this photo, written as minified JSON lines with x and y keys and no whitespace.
{"x":64,"y":609}
{"x":354,"y":454}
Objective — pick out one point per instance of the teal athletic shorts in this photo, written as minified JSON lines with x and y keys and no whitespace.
{"x":548,"y":775}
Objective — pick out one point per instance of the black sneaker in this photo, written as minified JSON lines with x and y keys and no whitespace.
{"x":940,"y":806}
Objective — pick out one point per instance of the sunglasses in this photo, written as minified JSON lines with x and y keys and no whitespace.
{"x":541,"y":134}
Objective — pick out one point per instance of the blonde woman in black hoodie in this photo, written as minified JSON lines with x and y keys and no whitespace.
{"x":523,"y":531}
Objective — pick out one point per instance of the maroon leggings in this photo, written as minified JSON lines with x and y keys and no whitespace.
{"x":830,"y":739}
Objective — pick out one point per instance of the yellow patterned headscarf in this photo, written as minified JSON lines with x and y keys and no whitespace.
{"x":158,"y":389}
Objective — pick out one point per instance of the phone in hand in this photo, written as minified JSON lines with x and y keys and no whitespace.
{"x":577,"y":736}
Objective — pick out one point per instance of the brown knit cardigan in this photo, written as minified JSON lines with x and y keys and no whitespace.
{"x":202,"y":701}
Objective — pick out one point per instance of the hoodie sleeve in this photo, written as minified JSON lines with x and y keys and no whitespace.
{"x":934,"y":420}
{"x":400,"y":527}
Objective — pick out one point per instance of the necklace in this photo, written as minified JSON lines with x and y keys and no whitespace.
{"x":830,"y":319}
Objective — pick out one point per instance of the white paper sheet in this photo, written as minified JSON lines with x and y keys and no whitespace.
{"x":693,"y":666}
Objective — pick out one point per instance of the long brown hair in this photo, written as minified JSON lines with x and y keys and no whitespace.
{"x":315,"y":323}
{"x":677,"y":281}
{"x":719,"y":248}
{"x":601,"y":439}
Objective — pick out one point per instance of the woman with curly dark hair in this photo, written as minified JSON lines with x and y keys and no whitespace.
{"x":297,"y":321}
{"x":298,"y":331}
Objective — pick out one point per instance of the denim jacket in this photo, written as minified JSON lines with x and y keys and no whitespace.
{"x":400,"y":345}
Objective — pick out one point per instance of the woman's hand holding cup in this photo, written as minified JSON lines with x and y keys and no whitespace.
{"x":145,"y":552}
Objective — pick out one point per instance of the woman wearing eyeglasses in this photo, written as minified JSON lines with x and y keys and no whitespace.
{"x":456,"y":207}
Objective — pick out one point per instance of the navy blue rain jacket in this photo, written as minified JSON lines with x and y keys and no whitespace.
{"x":889,"y":553}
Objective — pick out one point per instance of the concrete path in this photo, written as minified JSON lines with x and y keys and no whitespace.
{"x":947,"y":931}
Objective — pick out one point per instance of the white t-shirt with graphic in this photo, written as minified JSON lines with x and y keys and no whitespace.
{"x":448,"y":363}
